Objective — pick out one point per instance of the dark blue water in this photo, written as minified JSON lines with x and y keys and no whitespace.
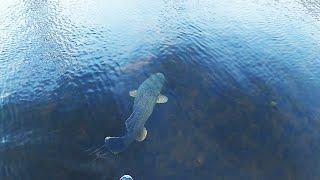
{"x":242,"y":82}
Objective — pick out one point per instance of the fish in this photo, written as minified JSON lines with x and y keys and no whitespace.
{"x":146,"y":97}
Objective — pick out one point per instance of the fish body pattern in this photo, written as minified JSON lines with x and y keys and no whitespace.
{"x":146,"y":97}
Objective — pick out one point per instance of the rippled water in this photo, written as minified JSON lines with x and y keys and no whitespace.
{"x":242,"y":81}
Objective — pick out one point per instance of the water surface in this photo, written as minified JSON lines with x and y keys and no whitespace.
{"x":242,"y":82}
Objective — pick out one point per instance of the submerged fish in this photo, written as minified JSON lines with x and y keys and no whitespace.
{"x":147,"y":95}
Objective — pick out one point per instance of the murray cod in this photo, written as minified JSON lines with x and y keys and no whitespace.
{"x":147,"y":95}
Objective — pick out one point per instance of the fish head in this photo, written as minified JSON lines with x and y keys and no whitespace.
{"x":157,"y":81}
{"x":159,"y":77}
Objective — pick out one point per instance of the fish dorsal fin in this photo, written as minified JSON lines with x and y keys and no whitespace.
{"x":162,"y":99}
{"x":142,"y":134}
{"x":133,"y":93}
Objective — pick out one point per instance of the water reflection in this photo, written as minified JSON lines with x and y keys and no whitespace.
{"x":312,"y":7}
{"x":242,"y":79}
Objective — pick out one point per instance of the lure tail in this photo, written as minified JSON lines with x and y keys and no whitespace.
{"x":117,"y":144}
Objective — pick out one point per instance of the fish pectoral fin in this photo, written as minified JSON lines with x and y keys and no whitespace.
{"x":162,"y":99}
{"x":142,"y":134}
{"x":133,"y":93}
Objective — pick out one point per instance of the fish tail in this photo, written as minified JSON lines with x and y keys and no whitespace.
{"x":117,"y":144}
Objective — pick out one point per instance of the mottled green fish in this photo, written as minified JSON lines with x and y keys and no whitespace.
{"x":147,"y":95}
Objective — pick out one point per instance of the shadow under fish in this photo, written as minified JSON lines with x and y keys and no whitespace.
{"x":147,"y":95}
